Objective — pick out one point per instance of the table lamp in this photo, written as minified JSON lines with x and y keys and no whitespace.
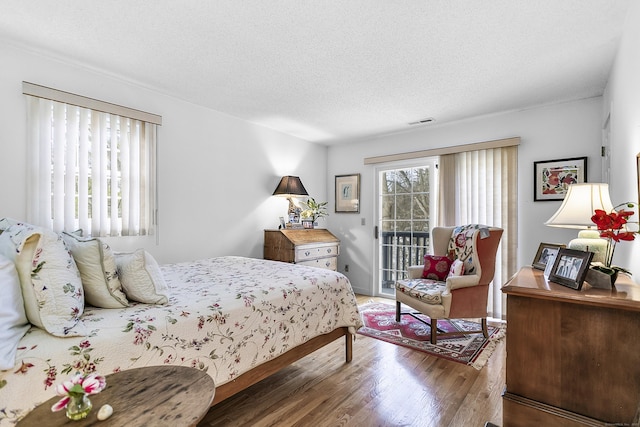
{"x":290,"y":186}
{"x":577,"y":208}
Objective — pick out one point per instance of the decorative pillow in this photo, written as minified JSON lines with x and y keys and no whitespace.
{"x":98,"y":271}
{"x":436,"y":267}
{"x":13,"y":319}
{"x":457,"y":268}
{"x":49,"y":279}
{"x":141,"y":277}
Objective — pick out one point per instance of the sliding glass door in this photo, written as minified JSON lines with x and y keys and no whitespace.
{"x":406,"y":209}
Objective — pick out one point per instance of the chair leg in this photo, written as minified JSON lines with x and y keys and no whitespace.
{"x":397,"y":311}
{"x":434,"y":331}
{"x":485,"y":330}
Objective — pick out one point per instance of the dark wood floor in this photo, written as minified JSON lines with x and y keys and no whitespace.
{"x":384,"y":385}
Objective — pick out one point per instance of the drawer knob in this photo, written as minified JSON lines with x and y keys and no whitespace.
{"x":328,"y":263}
{"x":329,"y":250}
{"x":307,"y":253}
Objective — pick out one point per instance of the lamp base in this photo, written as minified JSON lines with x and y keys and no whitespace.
{"x":590,"y":241}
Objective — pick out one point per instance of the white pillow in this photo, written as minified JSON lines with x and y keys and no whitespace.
{"x":457,"y":268}
{"x":141,"y":277}
{"x":98,"y":271}
{"x":49,"y":279}
{"x":13,"y":320}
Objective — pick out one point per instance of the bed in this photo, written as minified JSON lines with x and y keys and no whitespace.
{"x":239,"y":319}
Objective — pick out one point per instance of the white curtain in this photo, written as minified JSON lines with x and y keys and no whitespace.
{"x":480,"y":187}
{"x":90,"y":170}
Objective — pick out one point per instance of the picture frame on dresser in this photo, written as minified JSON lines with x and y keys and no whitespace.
{"x":551,"y":178}
{"x":570,"y":268}
{"x":347,"y":193}
{"x":546,"y":253}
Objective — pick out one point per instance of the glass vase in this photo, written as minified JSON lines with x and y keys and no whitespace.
{"x":78,"y":407}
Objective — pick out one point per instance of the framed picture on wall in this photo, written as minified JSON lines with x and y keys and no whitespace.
{"x":551,"y":178}
{"x":348,"y":193}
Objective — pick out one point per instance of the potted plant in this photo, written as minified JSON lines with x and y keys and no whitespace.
{"x":612,"y":226}
{"x":312,"y":211}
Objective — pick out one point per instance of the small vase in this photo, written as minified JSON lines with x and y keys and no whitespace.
{"x":307,"y":223}
{"x":78,"y":407}
{"x":600,"y":279}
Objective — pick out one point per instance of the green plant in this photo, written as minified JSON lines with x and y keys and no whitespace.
{"x":613,"y":226}
{"x":314,"y":210}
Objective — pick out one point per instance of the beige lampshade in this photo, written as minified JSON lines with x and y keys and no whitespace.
{"x":580,"y":204}
{"x":576,"y":211}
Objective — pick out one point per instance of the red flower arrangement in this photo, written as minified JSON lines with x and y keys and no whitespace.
{"x":613,"y":226}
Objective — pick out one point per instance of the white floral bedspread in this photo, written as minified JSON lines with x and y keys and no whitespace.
{"x":225,"y":316}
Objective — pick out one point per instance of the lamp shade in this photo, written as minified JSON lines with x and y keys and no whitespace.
{"x":290,"y":186}
{"x":580,"y":204}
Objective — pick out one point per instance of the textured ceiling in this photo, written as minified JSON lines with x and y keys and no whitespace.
{"x":337,"y":70}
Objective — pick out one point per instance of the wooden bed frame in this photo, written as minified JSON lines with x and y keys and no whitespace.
{"x":266,"y":369}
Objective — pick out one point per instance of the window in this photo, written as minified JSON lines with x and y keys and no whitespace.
{"x":90,"y":169}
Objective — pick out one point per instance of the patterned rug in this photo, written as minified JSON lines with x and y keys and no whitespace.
{"x":473,"y":350}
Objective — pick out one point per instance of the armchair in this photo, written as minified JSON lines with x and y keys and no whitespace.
{"x":456,"y":297}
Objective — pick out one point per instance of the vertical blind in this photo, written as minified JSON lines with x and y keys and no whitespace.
{"x":479,"y":187}
{"x":90,"y":170}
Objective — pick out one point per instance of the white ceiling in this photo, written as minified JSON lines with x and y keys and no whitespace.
{"x":337,"y":70}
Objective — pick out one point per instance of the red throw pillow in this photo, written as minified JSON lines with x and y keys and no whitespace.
{"x":436,"y":267}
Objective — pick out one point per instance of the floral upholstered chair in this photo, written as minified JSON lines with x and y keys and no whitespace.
{"x":454,"y":282}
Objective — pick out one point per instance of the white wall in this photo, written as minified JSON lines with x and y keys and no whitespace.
{"x":552,"y":132}
{"x":216,"y":173}
{"x":622,"y":102}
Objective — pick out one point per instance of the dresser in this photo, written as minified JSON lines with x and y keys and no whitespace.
{"x":573,"y":357}
{"x":313,"y":247}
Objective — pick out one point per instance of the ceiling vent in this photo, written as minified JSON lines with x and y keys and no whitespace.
{"x":423,"y":121}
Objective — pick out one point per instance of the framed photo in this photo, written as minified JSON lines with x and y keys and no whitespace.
{"x":570,"y":268}
{"x":546,"y":253}
{"x":348,"y":193}
{"x":551,"y":178}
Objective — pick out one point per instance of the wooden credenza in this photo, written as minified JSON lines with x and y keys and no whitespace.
{"x":573,"y":357}
{"x":313,"y":247}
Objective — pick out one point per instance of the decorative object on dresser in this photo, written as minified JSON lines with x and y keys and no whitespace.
{"x":573,"y":358}
{"x":348,"y":193}
{"x":312,"y":212}
{"x":315,"y":248}
{"x":614,"y":227}
{"x":588,"y":207}
{"x":290,"y":187}
{"x":570,"y":268}
{"x":546,"y":253}
{"x":576,"y":211}
{"x":552,"y":178}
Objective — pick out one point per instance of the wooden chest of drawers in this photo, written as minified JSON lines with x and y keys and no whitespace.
{"x":315,"y":247}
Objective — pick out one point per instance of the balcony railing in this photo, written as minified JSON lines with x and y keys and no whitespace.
{"x":400,"y":249}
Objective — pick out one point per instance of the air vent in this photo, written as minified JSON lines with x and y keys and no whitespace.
{"x":423,"y":121}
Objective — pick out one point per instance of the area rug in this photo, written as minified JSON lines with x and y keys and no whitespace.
{"x":473,"y":350}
